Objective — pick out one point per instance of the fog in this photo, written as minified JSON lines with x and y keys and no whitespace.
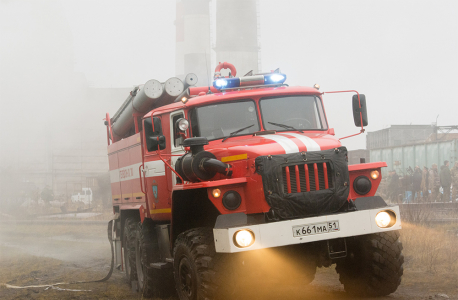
{"x":58,"y":56}
{"x":401,"y":54}
{"x":64,"y":64}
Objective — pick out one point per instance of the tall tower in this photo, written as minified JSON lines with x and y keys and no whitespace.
{"x":193,"y":39}
{"x":237,"y":34}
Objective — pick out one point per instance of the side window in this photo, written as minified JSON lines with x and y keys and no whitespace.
{"x":177,"y":138}
{"x":152,"y":132}
{"x":194,"y":126}
{"x":149,"y":131}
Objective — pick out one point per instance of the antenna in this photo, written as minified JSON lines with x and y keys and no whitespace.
{"x":208,"y":73}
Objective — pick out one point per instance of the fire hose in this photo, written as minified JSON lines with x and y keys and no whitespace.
{"x":54,"y":285}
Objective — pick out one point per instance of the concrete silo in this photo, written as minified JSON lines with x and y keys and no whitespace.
{"x":237,"y":34}
{"x":193,"y":39}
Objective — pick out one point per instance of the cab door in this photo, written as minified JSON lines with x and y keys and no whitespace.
{"x":176,"y":141}
{"x":155,"y":179}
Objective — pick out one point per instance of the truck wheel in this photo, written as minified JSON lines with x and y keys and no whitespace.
{"x":146,"y":249}
{"x":200,"y":272}
{"x":128,"y":242}
{"x":373,"y":266}
{"x":151,"y":282}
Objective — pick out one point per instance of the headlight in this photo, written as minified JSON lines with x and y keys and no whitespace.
{"x":385,"y":219}
{"x":243,"y":238}
{"x":375,"y":174}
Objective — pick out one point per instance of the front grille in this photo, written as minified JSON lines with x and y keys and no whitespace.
{"x":307,"y":177}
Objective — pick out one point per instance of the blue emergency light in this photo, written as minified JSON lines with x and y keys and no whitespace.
{"x":255,"y":80}
{"x":226,"y":83}
{"x":274,"y":78}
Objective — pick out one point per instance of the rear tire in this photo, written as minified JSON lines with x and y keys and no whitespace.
{"x":128,"y":242}
{"x":373,"y":266}
{"x":151,"y":282}
{"x":146,"y":249}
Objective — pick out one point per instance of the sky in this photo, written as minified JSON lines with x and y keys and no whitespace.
{"x":401,"y":54}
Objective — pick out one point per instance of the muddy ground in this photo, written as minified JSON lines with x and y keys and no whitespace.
{"x":39,"y":254}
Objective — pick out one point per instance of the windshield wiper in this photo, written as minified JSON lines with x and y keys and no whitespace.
{"x":285,"y":126}
{"x":237,"y":131}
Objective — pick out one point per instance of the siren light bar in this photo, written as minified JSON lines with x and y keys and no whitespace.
{"x":260,"y":79}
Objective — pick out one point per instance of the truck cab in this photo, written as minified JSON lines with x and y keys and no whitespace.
{"x":245,"y":165}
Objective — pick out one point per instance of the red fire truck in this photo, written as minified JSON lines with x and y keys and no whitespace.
{"x":204,"y":179}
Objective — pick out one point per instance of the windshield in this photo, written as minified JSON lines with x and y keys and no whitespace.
{"x":292,"y":113}
{"x":221,"y":120}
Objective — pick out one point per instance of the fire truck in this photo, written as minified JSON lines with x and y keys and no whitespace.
{"x":206,"y":181}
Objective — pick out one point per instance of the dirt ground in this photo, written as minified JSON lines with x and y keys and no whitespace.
{"x":39,"y":254}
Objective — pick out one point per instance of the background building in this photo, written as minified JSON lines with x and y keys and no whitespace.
{"x":193,"y":52}
{"x":238,"y":34}
{"x":398,"y":135}
{"x":406,"y":146}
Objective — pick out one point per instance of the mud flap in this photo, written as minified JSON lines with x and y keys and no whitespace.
{"x":114,"y":236}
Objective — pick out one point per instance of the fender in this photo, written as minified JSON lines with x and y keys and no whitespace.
{"x":142,"y":212}
{"x":364,"y":170}
{"x":207,"y":184}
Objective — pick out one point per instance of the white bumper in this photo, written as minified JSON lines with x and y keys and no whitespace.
{"x":281,"y":233}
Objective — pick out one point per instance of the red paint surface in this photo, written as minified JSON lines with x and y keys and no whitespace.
{"x":366,"y":172}
{"x":245,"y":180}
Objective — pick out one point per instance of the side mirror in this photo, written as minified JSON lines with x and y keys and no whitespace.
{"x":153,"y":142}
{"x":154,"y":138}
{"x":359,"y":113}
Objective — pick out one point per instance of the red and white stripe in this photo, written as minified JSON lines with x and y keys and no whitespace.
{"x":294,"y":142}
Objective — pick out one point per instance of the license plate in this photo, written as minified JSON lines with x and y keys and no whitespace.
{"x":318,"y":228}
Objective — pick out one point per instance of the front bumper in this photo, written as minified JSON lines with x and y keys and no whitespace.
{"x":281,"y":233}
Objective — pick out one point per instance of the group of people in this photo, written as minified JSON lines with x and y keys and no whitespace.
{"x":425,"y":184}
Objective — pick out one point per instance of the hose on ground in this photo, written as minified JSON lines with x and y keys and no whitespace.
{"x":54,"y":285}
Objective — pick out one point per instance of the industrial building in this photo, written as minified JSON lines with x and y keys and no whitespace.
{"x":206,"y":34}
{"x":398,"y":135}
{"x":406,"y":146}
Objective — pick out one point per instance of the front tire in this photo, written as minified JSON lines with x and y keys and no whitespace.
{"x":373,"y":266}
{"x":200,"y":272}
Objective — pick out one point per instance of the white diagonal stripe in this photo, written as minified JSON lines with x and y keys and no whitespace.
{"x":308,"y":142}
{"x":286,"y":143}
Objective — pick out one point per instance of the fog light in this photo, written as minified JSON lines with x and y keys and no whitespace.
{"x":216,"y":193}
{"x":375,"y":174}
{"x":232,"y":200}
{"x":243,"y":238}
{"x":385,"y":219}
{"x":362,"y":185}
